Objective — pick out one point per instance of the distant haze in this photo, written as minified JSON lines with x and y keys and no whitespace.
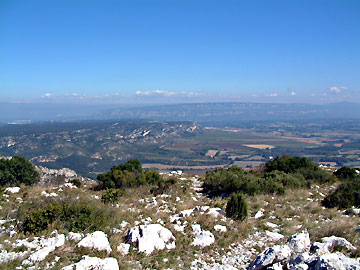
{"x":203,"y":112}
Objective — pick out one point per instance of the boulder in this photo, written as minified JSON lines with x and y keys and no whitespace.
{"x":150,"y":237}
{"x":299,"y":242}
{"x":270,"y":256}
{"x":336,"y":261}
{"x":329,"y":242}
{"x":97,"y":240}
{"x":94,"y":263}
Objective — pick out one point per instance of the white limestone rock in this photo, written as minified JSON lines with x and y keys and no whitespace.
{"x":337,"y":261}
{"x":45,"y":247}
{"x":96,"y":240}
{"x":74,"y":236}
{"x":186,"y":213}
{"x":6,"y":256}
{"x":216,"y":212}
{"x":271,"y":225}
{"x":123,"y":248}
{"x":94,"y":263}
{"x":259,"y":214}
{"x":299,"y":242}
{"x":12,"y":190}
{"x":328,"y":242}
{"x":150,"y":237}
{"x":270,"y":255}
{"x":202,"y":238}
{"x":220,"y":228}
{"x":274,"y":236}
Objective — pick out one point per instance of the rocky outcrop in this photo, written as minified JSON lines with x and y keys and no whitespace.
{"x":270,"y":256}
{"x":147,"y":238}
{"x":295,"y":255}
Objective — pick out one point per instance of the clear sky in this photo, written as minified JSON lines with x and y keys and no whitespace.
{"x":179,"y":51}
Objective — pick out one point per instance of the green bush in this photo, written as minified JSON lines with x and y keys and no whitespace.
{"x":17,"y":170}
{"x":345,"y":173}
{"x":345,"y":196}
{"x":72,"y":217}
{"x":112,"y":195}
{"x":299,"y":165}
{"x":76,"y":182}
{"x":237,"y":207}
{"x":235,"y":179}
{"x":127,"y":175}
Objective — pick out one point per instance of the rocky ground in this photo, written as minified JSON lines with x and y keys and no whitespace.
{"x":180,"y":229}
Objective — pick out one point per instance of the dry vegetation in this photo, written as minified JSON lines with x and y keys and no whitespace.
{"x":293,"y":212}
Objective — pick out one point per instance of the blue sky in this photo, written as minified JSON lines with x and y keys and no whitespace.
{"x":155,"y":51}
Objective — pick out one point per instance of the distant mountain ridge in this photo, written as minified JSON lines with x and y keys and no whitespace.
{"x":221,"y":111}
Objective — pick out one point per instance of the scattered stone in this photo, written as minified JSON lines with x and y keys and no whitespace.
{"x":96,"y":240}
{"x":271,"y":225}
{"x":220,"y":228}
{"x":202,"y":238}
{"x":123,"y":248}
{"x":274,"y":236}
{"x":150,"y":237}
{"x":46,"y":246}
{"x":259,"y":214}
{"x":216,"y":212}
{"x":94,"y":263}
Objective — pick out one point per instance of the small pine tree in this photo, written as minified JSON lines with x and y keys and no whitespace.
{"x":237,"y":207}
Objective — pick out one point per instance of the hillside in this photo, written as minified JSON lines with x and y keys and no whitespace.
{"x":185,"y":229}
{"x":92,"y":146}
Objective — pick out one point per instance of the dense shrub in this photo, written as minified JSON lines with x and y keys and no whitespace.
{"x":288,"y":164}
{"x":345,"y":173}
{"x":235,"y":179}
{"x":299,"y":165}
{"x":72,"y":217}
{"x":111,"y":195}
{"x":345,"y":196}
{"x":237,"y":207}
{"x":292,"y":181}
{"x":127,"y":175}
{"x":17,"y":170}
